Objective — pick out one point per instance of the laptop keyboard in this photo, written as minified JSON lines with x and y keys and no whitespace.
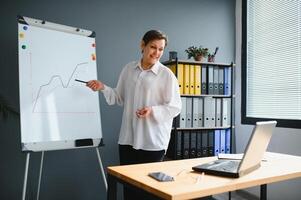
{"x":225,"y":165}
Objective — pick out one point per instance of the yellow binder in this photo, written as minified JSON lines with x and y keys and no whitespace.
{"x":173,"y":69}
{"x":180,"y":76}
{"x":186,"y":79}
{"x":191,"y":79}
{"x":197,"y":79}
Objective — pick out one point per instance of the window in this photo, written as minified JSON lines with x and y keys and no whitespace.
{"x":271,"y":61}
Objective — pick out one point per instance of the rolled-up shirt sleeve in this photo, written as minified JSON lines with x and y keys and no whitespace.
{"x":172,"y":102}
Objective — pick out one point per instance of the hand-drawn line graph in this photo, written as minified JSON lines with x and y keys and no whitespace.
{"x":54,"y":77}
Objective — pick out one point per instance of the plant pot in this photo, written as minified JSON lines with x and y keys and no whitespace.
{"x":198,"y":58}
{"x":211,"y":58}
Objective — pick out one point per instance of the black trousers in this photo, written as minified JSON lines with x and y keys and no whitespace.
{"x":128,"y":155}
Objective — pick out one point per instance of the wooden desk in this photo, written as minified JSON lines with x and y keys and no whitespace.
{"x":278,"y":167}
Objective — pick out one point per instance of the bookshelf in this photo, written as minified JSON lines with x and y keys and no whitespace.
{"x":205,"y":126}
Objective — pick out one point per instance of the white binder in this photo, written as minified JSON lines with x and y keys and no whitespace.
{"x":195,"y":114}
{"x":226,"y":111}
{"x":201,"y":112}
{"x":182,"y":119}
{"x":209,"y":112}
{"x":188,"y":112}
{"x":218,"y":116}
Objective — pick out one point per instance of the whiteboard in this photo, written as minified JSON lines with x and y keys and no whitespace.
{"x":57,"y":112}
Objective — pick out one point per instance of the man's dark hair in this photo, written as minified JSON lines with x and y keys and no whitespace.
{"x":154,"y":35}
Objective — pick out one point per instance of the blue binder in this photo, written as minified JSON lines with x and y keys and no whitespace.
{"x":228,"y":141}
{"x":223,"y":141}
{"x":217,"y":139}
{"x":227,"y":81}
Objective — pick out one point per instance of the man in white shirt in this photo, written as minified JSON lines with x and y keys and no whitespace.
{"x":149,"y":92}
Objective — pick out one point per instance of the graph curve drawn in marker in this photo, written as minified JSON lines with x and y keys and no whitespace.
{"x":52,"y":79}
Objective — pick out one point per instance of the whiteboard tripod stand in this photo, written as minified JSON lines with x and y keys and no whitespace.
{"x":41,"y":170}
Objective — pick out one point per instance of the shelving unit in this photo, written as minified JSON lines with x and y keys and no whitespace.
{"x":205,"y":126}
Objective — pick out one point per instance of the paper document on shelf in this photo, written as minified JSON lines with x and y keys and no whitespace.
{"x":234,"y":156}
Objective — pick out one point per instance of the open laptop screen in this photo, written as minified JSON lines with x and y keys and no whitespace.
{"x":257,"y":145}
{"x":252,"y":157}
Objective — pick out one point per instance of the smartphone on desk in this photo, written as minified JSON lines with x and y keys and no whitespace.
{"x":160,"y":176}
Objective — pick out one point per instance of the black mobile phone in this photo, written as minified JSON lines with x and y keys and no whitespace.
{"x":160,"y":176}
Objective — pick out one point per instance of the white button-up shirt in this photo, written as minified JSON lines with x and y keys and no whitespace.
{"x":137,"y":88}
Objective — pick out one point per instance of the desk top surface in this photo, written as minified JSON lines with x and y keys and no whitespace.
{"x":189,"y":184}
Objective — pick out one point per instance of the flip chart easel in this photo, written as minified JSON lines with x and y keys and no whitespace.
{"x":56,"y":111}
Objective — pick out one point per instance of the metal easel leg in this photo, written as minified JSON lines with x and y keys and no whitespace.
{"x":40,"y":175}
{"x":25,"y":176}
{"x":101,"y":168}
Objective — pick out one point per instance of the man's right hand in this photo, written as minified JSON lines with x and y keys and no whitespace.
{"x":95,"y":85}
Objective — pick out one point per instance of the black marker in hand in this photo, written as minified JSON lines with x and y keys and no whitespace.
{"x":81,"y":81}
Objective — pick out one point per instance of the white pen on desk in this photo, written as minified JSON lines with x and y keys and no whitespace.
{"x":181,"y":172}
{"x":200,"y":178}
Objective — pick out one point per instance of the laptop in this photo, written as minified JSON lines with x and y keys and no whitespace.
{"x":252,"y":156}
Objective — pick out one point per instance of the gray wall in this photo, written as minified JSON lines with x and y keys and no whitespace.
{"x":284,"y":140}
{"x":119,"y":25}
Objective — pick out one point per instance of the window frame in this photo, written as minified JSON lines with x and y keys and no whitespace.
{"x":252,"y":120}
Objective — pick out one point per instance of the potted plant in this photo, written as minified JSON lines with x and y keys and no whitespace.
{"x":198,"y":53}
{"x":211,"y":56}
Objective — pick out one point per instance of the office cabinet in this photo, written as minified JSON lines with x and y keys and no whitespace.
{"x":205,"y":126}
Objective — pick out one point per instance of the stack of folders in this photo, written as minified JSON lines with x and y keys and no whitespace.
{"x":195,"y":79}
{"x":202,"y":143}
{"x":206,"y":112}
